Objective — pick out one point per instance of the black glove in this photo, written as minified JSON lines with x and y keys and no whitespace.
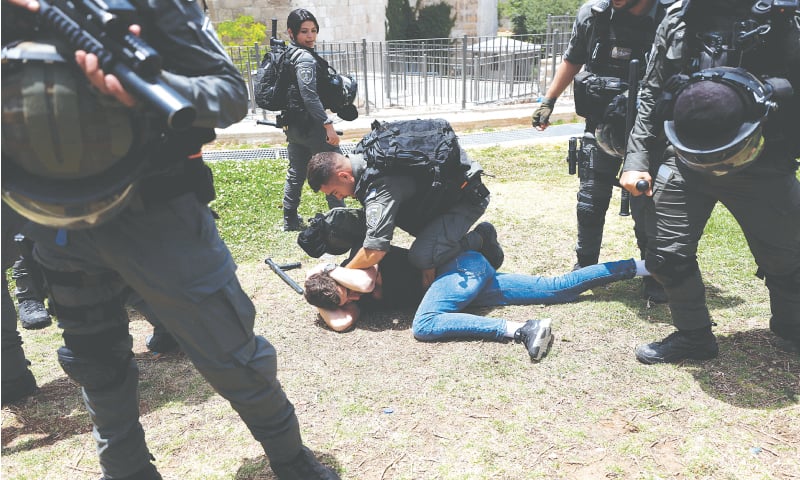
{"x":541,"y":117}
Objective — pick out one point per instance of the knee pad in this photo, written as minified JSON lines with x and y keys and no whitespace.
{"x":593,"y":200}
{"x":670,"y":270}
{"x":99,"y":361}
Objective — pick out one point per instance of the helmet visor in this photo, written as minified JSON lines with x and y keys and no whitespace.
{"x":735,"y":155}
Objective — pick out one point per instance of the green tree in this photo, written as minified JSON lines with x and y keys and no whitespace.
{"x":399,"y":17}
{"x":406,"y":23}
{"x":242,"y":31}
{"x":530,"y":16}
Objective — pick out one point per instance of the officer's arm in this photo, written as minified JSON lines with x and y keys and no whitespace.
{"x":366,"y":258}
{"x":645,"y":128}
{"x":565,"y":72}
{"x":196,"y":64}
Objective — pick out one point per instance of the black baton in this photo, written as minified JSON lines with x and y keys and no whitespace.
{"x":279,"y":270}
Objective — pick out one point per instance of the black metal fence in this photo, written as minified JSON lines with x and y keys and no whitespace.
{"x":439,"y":72}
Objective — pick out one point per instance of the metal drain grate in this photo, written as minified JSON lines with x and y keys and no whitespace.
{"x":467,"y":140}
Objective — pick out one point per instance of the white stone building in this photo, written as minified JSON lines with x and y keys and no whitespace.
{"x":353,"y":20}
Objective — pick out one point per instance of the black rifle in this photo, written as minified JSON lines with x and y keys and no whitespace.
{"x":101,"y":27}
{"x":630,"y":116}
{"x":280,"y":271}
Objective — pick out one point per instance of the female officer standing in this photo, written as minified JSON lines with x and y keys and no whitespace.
{"x":308,"y":130}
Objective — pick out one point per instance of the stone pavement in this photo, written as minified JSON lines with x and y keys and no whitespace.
{"x":492,"y":120}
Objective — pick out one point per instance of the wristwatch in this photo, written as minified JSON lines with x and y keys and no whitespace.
{"x":329,"y":267}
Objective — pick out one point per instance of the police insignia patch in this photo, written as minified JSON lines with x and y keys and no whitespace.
{"x":306,"y":74}
{"x":374,"y":213}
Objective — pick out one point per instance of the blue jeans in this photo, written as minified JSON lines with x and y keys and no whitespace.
{"x":469,"y":280}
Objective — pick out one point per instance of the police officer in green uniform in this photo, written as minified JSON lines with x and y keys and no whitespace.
{"x":308,"y":128}
{"x":606,"y":36}
{"x":723,"y":85}
{"x":139,"y":220}
{"x":397,"y":200}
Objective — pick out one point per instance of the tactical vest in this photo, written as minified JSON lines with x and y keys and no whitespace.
{"x":612,"y":46}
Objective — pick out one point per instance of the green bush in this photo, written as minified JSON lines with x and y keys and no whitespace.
{"x":242,"y":31}
{"x":530,"y":16}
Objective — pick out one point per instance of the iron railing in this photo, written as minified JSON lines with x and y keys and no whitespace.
{"x":441,"y":72}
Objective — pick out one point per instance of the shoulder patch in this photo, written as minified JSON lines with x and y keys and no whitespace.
{"x":374,"y":213}
{"x":305,"y":73}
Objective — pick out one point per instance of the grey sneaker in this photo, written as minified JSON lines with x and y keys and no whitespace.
{"x":491,"y":248}
{"x":304,"y":466}
{"x":33,"y":315}
{"x":537,"y":335}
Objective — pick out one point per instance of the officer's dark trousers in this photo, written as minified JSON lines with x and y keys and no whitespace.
{"x":765,"y":200}
{"x":13,"y":362}
{"x":594,"y":196}
{"x":304,"y":141}
{"x":173,"y":257}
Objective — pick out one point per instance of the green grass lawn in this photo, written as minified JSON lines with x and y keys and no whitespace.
{"x":377,"y":404}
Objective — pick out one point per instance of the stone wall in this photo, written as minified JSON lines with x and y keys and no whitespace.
{"x":352,"y":20}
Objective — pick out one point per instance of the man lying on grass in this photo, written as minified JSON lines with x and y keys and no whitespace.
{"x":468,"y":280}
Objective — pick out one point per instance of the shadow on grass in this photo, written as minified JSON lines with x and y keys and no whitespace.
{"x":57,"y":412}
{"x":258,"y":468}
{"x":753,"y":370}
{"x":629,"y":294}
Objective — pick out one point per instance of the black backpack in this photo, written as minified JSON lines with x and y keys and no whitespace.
{"x":273,"y":78}
{"x":426,"y":150}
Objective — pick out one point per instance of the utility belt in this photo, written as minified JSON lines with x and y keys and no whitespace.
{"x":593,"y":92}
{"x":194,"y":176}
{"x":589,"y":162}
{"x":473,"y":189}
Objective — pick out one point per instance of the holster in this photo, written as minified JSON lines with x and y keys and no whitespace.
{"x":593,"y":92}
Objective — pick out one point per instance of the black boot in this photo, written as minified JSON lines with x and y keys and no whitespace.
{"x":304,"y":466}
{"x":585,"y":261}
{"x":18,"y":388}
{"x":147,"y":473}
{"x":490,"y":247}
{"x":653,"y":291}
{"x":160,"y":341}
{"x":292,"y":222}
{"x":33,"y":315}
{"x":698,"y":344}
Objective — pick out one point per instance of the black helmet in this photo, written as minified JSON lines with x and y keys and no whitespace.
{"x":297,"y":17}
{"x":334,"y":232}
{"x":68,"y":153}
{"x":718,"y":118}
